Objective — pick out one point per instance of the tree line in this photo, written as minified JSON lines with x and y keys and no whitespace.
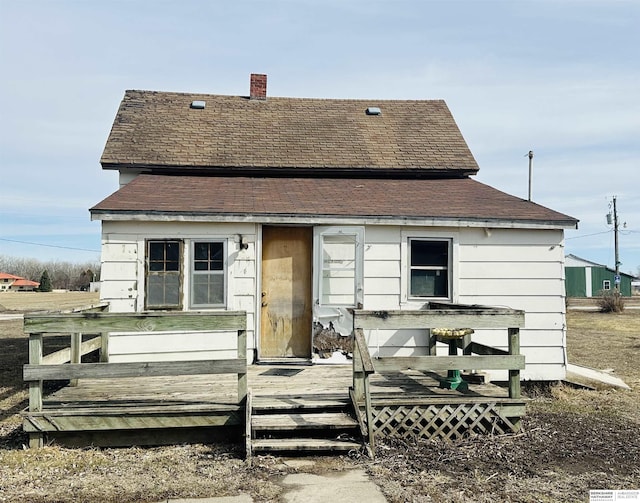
{"x":58,"y":274}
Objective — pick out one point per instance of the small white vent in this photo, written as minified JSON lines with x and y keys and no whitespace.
{"x":198,"y":105}
{"x":374,"y":111}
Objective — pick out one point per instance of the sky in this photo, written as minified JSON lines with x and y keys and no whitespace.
{"x":558,"y":77}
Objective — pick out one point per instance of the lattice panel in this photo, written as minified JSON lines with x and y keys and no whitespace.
{"x":447,"y":421}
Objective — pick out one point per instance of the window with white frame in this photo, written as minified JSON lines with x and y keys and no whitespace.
{"x":164,"y":278}
{"x":208,"y":274}
{"x":429,"y":268}
{"x":340,"y":261}
{"x":167,"y":261}
{"x":606,"y":284}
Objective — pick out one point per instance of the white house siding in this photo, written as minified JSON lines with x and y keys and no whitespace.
{"x":123,"y":270}
{"x":520,"y":269}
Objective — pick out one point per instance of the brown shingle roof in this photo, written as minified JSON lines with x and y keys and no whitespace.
{"x":159,"y":129}
{"x":461,"y":198}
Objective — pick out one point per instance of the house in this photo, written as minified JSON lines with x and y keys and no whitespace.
{"x":588,"y":279}
{"x":13,"y":283}
{"x":298,"y":210}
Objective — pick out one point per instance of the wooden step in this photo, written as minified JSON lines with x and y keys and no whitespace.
{"x":300,"y":402}
{"x":304,"y":444}
{"x":311,"y":421}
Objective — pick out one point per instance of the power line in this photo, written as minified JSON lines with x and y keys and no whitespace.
{"x":49,"y":246}
{"x":588,"y":235}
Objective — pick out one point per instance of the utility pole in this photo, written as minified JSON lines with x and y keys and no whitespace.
{"x":615,"y":242}
{"x":530,"y":167}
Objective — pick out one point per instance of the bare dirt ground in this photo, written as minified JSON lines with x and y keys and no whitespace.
{"x":573,"y":440}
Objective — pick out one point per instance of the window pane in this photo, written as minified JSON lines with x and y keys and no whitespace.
{"x":208,"y":257}
{"x":156,"y":251}
{"x":201,"y":251}
{"x":201,"y":266}
{"x":338,"y":252}
{"x":173,"y":251}
{"x":429,"y":283}
{"x":429,"y":253}
{"x":208,"y":289}
{"x":155,"y":291}
{"x":163,"y":290}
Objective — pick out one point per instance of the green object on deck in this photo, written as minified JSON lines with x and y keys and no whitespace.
{"x":453,"y":379}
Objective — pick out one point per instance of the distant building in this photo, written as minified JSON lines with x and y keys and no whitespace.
{"x":588,"y":279}
{"x":13,"y":283}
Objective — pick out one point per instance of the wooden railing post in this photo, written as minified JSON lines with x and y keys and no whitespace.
{"x":104,"y":347}
{"x":431,"y":342}
{"x":248,"y":433}
{"x":76,"y":353}
{"x":514,"y":374}
{"x":242,"y":376}
{"x":362,"y":367}
{"x":36,"y":439}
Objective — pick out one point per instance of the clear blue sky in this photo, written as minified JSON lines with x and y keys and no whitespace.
{"x":559,"y":77}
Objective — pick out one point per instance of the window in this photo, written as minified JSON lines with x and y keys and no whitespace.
{"x":606,"y":284}
{"x":163,"y":274}
{"x":339,"y":255}
{"x":429,"y":268}
{"x":207,"y":274}
{"x":338,"y":270}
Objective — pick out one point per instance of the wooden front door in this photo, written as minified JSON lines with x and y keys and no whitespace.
{"x":286,"y":292}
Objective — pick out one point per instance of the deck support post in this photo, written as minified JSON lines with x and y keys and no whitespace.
{"x":36,"y":439}
{"x":514,"y":374}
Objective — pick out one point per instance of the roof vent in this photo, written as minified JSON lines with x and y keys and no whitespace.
{"x":198,"y":105}
{"x":374,"y":111}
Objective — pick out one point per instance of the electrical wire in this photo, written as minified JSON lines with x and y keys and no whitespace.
{"x":589,"y":235}
{"x":49,"y":246}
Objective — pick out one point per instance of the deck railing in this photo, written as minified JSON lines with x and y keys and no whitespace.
{"x":438,"y":316}
{"x":66,"y":363}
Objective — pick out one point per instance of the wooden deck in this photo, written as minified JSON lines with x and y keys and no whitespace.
{"x":139,"y":402}
{"x":208,"y":401}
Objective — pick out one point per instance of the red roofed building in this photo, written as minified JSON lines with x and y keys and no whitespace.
{"x":298,"y":210}
{"x":13,"y":283}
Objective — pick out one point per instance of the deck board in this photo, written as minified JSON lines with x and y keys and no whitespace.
{"x":206,"y":390}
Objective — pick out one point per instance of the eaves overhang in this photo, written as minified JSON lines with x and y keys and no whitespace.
{"x":413,"y":172}
{"x":328,"y":219}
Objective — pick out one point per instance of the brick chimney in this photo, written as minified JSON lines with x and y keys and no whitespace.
{"x":258,"y":90}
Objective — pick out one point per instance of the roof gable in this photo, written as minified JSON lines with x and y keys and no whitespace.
{"x":160,"y":131}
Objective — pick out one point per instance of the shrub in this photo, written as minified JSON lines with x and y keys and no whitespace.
{"x":610,"y":301}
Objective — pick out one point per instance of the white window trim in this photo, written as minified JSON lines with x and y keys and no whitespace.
{"x":185,"y":270}
{"x":318,"y":236}
{"x":405,"y":268}
{"x":224,"y":273}
{"x":606,"y":285}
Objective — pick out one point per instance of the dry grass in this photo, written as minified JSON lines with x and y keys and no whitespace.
{"x":46,"y":301}
{"x":572,"y":440}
